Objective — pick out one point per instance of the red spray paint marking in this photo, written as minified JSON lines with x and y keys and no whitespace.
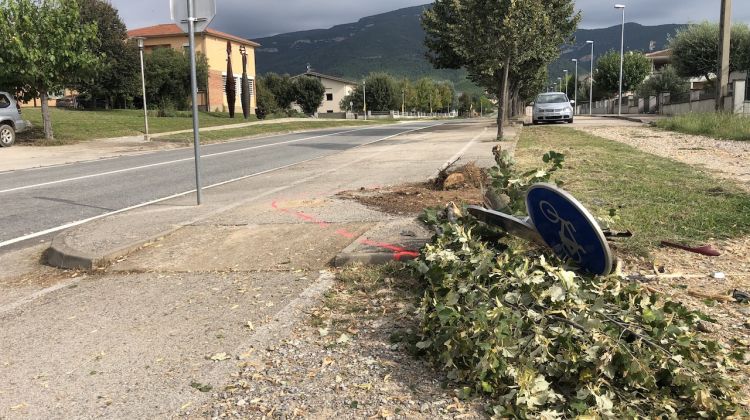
{"x":399,"y":253}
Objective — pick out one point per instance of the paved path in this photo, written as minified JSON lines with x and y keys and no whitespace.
{"x":35,"y":203}
{"x":137,"y":339}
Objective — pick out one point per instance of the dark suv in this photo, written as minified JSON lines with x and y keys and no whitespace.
{"x":10,"y":120}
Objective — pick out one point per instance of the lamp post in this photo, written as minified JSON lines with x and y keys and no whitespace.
{"x":143,"y":84}
{"x":575,"y":89}
{"x":559,"y":84}
{"x":364,"y":97}
{"x":591,"y":80}
{"x":622,"y":52}
{"x":566,"y":82}
{"x":403,"y":101}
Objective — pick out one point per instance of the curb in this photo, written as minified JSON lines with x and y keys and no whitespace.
{"x":60,"y":255}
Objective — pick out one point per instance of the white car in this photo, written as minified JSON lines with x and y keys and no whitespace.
{"x":550,"y":107}
{"x":10,"y":120}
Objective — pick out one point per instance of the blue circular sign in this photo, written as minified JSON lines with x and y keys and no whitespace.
{"x":569,"y":229}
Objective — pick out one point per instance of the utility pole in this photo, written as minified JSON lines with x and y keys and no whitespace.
{"x":575,"y":88}
{"x":364,"y":97}
{"x":622,"y":53}
{"x":725,"y":36}
{"x":591,"y":80}
{"x":566,"y":82}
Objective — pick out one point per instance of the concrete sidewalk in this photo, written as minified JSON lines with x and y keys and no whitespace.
{"x":640,"y":118}
{"x":206,"y":288}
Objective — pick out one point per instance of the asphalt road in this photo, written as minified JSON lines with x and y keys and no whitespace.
{"x":38,"y":202}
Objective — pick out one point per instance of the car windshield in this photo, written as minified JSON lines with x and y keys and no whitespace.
{"x":4,"y":101}
{"x":551,"y":99}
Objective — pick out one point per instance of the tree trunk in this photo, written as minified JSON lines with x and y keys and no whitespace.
{"x":46,"y":117}
{"x":503,"y":109}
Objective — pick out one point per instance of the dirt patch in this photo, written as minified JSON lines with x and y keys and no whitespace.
{"x":411,"y":199}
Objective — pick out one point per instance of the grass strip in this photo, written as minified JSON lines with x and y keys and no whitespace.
{"x":716,"y":125}
{"x":657,"y":198}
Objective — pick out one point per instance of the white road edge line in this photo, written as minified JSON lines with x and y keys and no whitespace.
{"x":182,"y":194}
{"x":135,"y":168}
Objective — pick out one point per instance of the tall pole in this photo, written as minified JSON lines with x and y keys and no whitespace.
{"x":622,"y":53}
{"x":724,"y":52}
{"x":143,"y":84}
{"x":565,"y":72}
{"x":403,"y":101}
{"x":591,"y":82}
{"x":194,"y":88}
{"x":575,"y":92}
{"x":364,"y":97}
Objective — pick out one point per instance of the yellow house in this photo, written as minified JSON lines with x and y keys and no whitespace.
{"x":213,"y":44}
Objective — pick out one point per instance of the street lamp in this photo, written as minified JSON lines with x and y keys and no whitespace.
{"x":403,"y":101}
{"x":622,"y":52}
{"x":591,"y":80}
{"x":143,"y":84}
{"x":566,"y":82}
{"x":575,"y":89}
{"x":364,"y":97}
{"x":559,"y":84}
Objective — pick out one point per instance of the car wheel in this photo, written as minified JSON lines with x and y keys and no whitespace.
{"x":570,"y":121}
{"x":535,"y":122}
{"x":7,"y":135}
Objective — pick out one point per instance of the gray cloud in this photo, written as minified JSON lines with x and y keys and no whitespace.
{"x":267,"y":17}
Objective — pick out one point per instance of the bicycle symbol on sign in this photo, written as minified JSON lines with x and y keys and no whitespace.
{"x":568,"y":241}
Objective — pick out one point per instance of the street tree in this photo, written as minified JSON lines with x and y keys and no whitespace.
{"x":266,"y":101}
{"x":493,"y":39}
{"x":117,"y":78}
{"x":45,"y":46}
{"x":168,"y":78}
{"x":636,"y":67}
{"x":381,"y":93}
{"x":695,"y":49}
{"x":665,"y":81}
{"x":282,"y":88}
{"x":308,"y":93}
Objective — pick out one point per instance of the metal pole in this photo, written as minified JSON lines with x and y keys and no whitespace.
{"x":364,"y":96}
{"x":575,"y":93}
{"x":724,"y":52}
{"x":143,"y":84}
{"x":565,"y":72}
{"x":591,"y":81}
{"x":403,"y":101}
{"x":622,"y":59}
{"x":194,"y":88}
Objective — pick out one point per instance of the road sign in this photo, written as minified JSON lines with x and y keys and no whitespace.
{"x":204,"y":12}
{"x":568,"y":228}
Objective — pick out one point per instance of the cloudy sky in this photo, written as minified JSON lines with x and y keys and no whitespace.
{"x":257,"y":18}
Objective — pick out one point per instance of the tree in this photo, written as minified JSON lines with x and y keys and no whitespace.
{"x":667,"y":80}
{"x":168,"y":77}
{"x":282,"y":88}
{"x":44,"y":46}
{"x":382,"y":94}
{"x":501,"y":43}
{"x":308,"y":93}
{"x":636,"y":67}
{"x":117,"y":78}
{"x":695,"y":49}
{"x":265,"y":100}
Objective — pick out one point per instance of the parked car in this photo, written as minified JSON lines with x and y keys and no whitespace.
{"x":68,"y":102}
{"x":553,"y":106}
{"x":10,"y":120}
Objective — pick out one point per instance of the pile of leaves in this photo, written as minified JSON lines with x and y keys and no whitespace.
{"x":511,"y":322}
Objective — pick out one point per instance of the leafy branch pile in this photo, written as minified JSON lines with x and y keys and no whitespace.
{"x":544,"y":342}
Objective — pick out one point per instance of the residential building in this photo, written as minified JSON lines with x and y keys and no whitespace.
{"x":213,"y":44}
{"x":336,"y":90}
{"x":663,"y":58}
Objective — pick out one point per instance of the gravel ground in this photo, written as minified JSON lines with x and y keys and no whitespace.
{"x":353,"y":358}
{"x":727,"y":159}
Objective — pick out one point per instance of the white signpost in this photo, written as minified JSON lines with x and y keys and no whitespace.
{"x":194,"y":16}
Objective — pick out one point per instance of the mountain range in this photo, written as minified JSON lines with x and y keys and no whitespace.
{"x":393,"y":42}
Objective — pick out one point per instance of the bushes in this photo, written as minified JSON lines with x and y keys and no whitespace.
{"x":168,"y":78}
{"x":543,"y":342}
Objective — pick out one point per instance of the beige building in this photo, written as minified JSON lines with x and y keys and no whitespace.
{"x":213,"y":44}
{"x":336,"y":89}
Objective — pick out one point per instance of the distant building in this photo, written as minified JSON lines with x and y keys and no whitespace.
{"x":213,"y":44}
{"x":663,"y":58}
{"x":336,"y":89}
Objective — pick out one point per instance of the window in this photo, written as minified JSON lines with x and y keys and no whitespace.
{"x":4,"y":101}
{"x":330,"y":111}
{"x":238,"y":85}
{"x":329,"y":97}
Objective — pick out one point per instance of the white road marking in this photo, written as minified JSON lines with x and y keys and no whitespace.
{"x":135,"y":168}
{"x":182,"y":194}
